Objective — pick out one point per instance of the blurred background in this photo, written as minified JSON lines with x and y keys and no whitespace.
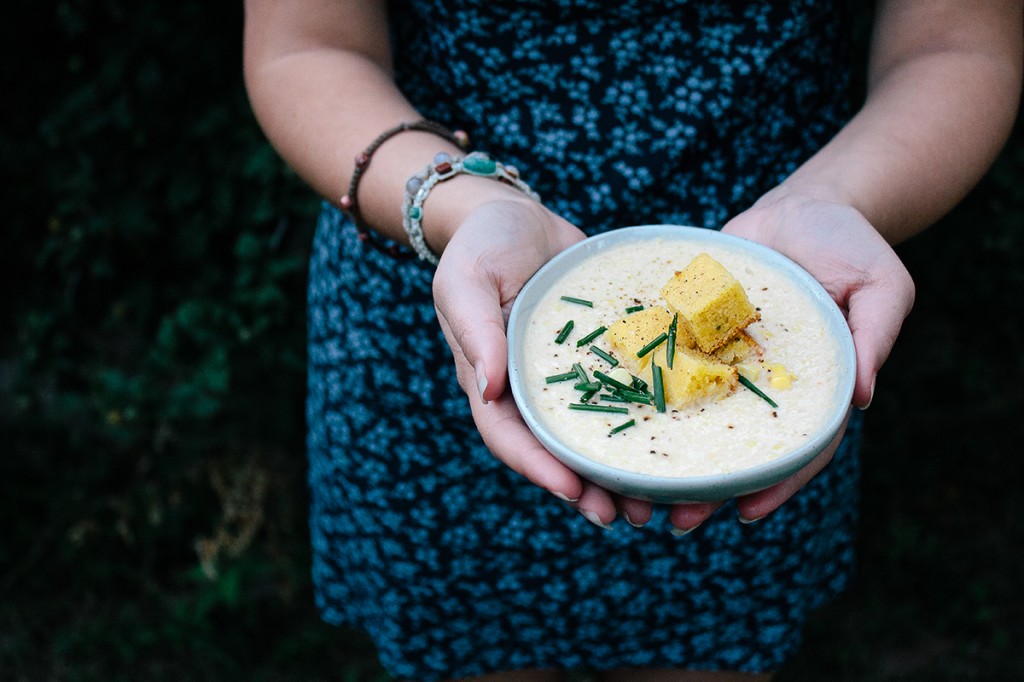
{"x":152,"y":475}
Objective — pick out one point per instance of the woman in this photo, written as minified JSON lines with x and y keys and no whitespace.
{"x":431,"y":522}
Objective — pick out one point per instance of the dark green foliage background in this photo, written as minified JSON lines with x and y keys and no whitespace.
{"x":152,"y":492}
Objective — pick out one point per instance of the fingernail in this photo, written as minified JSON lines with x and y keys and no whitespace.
{"x":564,"y":497}
{"x":595,"y":519}
{"x":680,"y":532}
{"x":625,"y":515}
{"x":481,"y":380}
{"x":871,"y":394}
{"x":746,"y":522}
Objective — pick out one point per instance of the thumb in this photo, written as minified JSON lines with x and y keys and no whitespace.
{"x":876,"y":312}
{"x":468,"y":305}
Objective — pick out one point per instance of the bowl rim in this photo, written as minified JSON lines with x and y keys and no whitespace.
{"x":705,"y":488}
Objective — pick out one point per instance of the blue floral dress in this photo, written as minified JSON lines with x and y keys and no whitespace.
{"x":619,"y":113}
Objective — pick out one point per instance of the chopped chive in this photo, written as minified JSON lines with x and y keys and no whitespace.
{"x":580,"y":372}
{"x":659,"y":388}
{"x":605,"y":379}
{"x":586,"y":397}
{"x":652,"y":345}
{"x":634,"y":309}
{"x":634,"y":397}
{"x":564,"y":334}
{"x":591,"y":336}
{"x":622,"y":427}
{"x":578,"y":301}
{"x":598,"y":408}
{"x":639,"y":384}
{"x":604,"y":356}
{"x":670,"y":349}
{"x":555,"y":378}
{"x":612,"y":398}
{"x":588,"y":386}
{"x":750,"y":385}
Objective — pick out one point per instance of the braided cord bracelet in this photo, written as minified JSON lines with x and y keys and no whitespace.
{"x":349,"y":202}
{"x":443,"y":168}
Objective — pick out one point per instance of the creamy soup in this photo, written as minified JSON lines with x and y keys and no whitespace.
{"x":715,"y":436}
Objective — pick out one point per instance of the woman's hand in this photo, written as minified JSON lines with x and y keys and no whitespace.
{"x":861,"y":272}
{"x":496,"y":248}
{"x":494,"y":251}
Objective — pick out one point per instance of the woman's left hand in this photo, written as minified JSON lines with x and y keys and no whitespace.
{"x":865,"y":278}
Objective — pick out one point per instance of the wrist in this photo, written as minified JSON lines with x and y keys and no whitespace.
{"x":451,"y":203}
{"x":795,"y":190}
{"x":442,"y":170}
{"x":437,"y":198}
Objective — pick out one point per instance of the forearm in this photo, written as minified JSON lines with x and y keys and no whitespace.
{"x":321,"y":97}
{"x":936,"y":115}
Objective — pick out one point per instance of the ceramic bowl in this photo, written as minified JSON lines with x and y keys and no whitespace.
{"x":695,"y":488}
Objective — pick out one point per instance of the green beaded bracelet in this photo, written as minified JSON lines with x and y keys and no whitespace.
{"x":444,"y":167}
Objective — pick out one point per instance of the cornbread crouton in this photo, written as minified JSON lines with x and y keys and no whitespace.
{"x":635,"y":331}
{"x":711,"y":303}
{"x":738,"y":349}
{"x":694,"y":377}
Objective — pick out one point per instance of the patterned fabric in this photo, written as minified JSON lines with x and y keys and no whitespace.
{"x":618,"y":113}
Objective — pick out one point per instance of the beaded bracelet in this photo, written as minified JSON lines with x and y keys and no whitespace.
{"x":349,"y":203}
{"x":444,"y":167}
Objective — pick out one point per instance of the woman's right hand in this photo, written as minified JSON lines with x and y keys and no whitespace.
{"x":497,"y":247}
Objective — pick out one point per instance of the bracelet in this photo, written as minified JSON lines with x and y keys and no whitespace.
{"x":444,"y":167}
{"x":349,"y":203}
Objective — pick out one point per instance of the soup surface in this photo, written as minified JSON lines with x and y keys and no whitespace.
{"x":716,"y":436}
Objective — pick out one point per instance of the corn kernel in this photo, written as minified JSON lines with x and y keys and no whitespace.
{"x":622,"y":375}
